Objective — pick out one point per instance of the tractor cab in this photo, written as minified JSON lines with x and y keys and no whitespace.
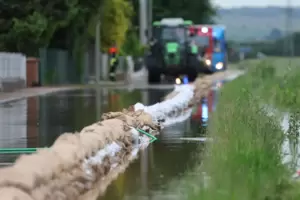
{"x":171,"y":54}
{"x":171,"y":30}
{"x":172,"y":35}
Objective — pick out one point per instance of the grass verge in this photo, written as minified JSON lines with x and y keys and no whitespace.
{"x":244,"y":161}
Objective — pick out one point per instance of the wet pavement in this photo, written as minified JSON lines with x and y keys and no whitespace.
{"x":38,"y":121}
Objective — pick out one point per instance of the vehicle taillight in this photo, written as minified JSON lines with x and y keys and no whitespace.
{"x":192,"y":30}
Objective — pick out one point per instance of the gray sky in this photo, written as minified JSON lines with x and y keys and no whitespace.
{"x":260,"y":3}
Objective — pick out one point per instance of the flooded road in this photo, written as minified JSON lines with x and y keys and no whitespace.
{"x":38,"y":121}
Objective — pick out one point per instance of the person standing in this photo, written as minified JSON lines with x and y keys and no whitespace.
{"x":113,"y":63}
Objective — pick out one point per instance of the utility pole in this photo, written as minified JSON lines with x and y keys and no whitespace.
{"x":290,"y":12}
{"x":286,"y":40}
{"x":150,"y":18}
{"x":97,"y":52}
{"x":289,"y":40}
{"x":143,"y":20}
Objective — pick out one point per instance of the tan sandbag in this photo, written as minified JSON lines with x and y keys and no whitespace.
{"x":42,"y":165}
{"x":92,"y":142}
{"x":9,"y":176}
{"x":117,"y":128}
{"x":41,"y":192}
{"x":69,"y":155}
{"x":10,"y":193}
{"x":69,"y":145}
{"x":67,"y":138}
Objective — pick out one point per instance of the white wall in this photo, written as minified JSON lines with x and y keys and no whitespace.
{"x":12,"y":66}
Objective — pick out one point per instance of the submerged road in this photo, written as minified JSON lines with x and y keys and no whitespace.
{"x":38,"y":121}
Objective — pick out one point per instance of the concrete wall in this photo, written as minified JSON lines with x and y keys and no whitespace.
{"x":12,"y":71}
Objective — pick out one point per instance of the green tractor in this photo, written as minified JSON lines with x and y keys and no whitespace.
{"x":171,"y":52}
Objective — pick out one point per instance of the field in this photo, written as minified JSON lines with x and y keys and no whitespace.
{"x":282,"y":64}
{"x":244,"y":161}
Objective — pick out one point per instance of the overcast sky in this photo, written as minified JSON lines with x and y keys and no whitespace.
{"x":258,"y":3}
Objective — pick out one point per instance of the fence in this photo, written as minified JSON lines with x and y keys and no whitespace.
{"x":59,"y":67}
{"x":56,"y":67}
{"x":12,"y":71}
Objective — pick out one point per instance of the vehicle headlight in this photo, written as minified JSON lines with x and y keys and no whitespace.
{"x":219,"y":65}
{"x":178,"y":81}
{"x":207,"y":62}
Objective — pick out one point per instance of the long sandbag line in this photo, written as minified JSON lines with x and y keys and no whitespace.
{"x":77,"y":161}
{"x":74,"y":162}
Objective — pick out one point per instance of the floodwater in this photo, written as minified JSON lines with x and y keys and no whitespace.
{"x":38,"y":121}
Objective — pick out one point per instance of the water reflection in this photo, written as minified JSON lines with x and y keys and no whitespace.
{"x":13,"y":118}
{"x":202,"y":111}
{"x":162,"y":162}
{"x":290,"y":146}
{"x":38,"y":121}
{"x":14,"y":131}
{"x":157,"y":165}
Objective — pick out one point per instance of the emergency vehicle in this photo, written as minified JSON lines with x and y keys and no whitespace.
{"x":202,"y":37}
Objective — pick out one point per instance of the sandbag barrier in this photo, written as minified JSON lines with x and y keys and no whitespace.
{"x":84,"y":163}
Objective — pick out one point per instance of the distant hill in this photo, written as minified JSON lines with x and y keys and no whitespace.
{"x":254,"y":23}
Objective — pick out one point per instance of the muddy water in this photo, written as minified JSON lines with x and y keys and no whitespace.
{"x":38,"y":121}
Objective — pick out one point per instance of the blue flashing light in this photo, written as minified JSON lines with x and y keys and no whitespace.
{"x":204,"y":112}
{"x":185,"y":80}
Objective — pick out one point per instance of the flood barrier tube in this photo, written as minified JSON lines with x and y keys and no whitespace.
{"x":177,"y":105}
{"x":76,"y":162}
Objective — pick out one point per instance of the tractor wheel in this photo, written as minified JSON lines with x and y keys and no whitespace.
{"x":192,"y":74}
{"x":153,"y":76}
{"x":193,"y":68}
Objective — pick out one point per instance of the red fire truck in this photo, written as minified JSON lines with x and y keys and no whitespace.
{"x":202,"y":36}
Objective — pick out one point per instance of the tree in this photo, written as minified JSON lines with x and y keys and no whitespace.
{"x":197,"y":11}
{"x":115,"y":18}
{"x":28,"y":25}
{"x":116,"y":21}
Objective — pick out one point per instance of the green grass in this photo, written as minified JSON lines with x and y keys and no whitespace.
{"x":245,"y":162}
{"x":280,"y":63}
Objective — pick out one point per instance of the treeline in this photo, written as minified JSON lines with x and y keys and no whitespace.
{"x":280,"y":47}
{"x":26,"y":26}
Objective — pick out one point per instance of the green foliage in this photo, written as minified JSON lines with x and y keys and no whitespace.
{"x":279,"y":83}
{"x":26,"y":27}
{"x":32,"y":27}
{"x":197,"y":11}
{"x":132,"y":45}
{"x":244,"y":161}
{"x":116,"y":20}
